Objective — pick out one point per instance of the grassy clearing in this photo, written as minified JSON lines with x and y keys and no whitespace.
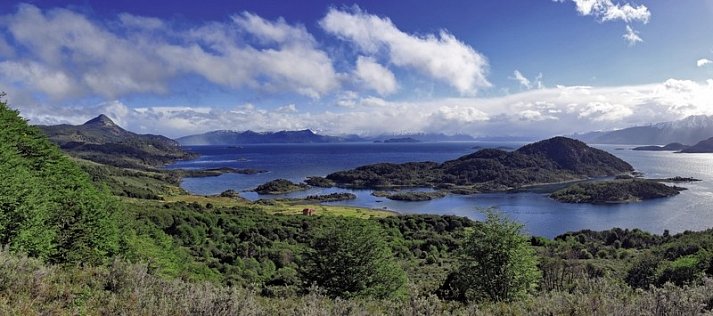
{"x":278,"y":208}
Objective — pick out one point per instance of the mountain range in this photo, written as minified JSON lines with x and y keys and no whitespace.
{"x":101,"y":140}
{"x":225,"y":137}
{"x":689,"y":130}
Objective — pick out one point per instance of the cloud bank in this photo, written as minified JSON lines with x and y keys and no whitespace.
{"x":536,"y":113}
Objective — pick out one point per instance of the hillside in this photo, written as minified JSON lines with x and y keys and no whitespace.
{"x":689,"y":130}
{"x":101,"y":140}
{"x":48,"y":206}
{"x":668,"y":147}
{"x":704,"y":146}
{"x":250,"y":137}
{"x":553,"y":160}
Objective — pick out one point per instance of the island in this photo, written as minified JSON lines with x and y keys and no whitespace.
{"x":410,"y":196}
{"x":280,"y":186}
{"x":402,"y":140}
{"x":669,"y":147}
{"x":558,"y":159}
{"x":615,"y":191}
{"x":704,"y":146}
{"x":214,"y":172}
{"x":319,"y":182}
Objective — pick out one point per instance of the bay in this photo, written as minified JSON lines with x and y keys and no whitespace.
{"x":542,"y":216}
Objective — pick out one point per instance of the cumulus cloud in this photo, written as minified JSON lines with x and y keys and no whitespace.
{"x":143,"y":55}
{"x":440,"y":56}
{"x":535,"y":113}
{"x":375,"y":76}
{"x":703,"y":61}
{"x":607,"y":10}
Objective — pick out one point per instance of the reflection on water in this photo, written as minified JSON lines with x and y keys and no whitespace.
{"x":691,"y":210}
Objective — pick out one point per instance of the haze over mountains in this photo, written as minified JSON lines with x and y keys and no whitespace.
{"x":302,"y":136}
{"x":689,"y":131}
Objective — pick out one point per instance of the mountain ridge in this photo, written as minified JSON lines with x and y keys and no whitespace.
{"x":688,"y":130}
{"x":103,"y":141}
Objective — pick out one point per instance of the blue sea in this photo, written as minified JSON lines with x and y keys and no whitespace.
{"x":542,"y":216}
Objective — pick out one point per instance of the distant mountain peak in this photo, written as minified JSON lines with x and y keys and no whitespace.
{"x":101,"y":120}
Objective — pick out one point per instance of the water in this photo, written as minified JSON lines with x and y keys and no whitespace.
{"x":542,"y":216}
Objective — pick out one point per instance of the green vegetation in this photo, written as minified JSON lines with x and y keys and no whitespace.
{"x":319,"y":182}
{"x":616,"y":191}
{"x":352,"y":259}
{"x":553,"y":160}
{"x":410,"y":196}
{"x":102,"y":141}
{"x":280,"y":186}
{"x":70,"y":247}
{"x":48,"y":206}
{"x":332,"y":197}
{"x":498,"y":264}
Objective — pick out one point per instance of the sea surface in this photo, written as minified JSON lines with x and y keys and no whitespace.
{"x":542,"y":216}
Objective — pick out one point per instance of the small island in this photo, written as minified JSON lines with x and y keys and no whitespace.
{"x":615,"y":191}
{"x":214,"y":172}
{"x":669,"y":147}
{"x":402,"y":140}
{"x":319,"y":182}
{"x":410,"y":196}
{"x":280,"y":186}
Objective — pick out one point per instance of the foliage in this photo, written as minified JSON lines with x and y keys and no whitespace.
{"x":48,"y":206}
{"x":280,"y":186}
{"x":616,"y":191}
{"x":499,"y":263}
{"x":351,"y":259}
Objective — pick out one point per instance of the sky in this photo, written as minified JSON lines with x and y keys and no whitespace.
{"x":533,"y":68}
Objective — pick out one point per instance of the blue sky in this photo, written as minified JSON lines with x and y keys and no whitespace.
{"x":495,"y":68}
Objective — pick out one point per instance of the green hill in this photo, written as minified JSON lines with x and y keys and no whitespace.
{"x":552,"y":160}
{"x":101,"y":140}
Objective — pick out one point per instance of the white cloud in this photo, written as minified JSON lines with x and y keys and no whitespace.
{"x":524,"y":82}
{"x":273,"y":32}
{"x":632,"y":36}
{"x":140,"y":22}
{"x":290,"y":108}
{"x":607,"y":10}
{"x":703,"y":61}
{"x":375,"y":76}
{"x":536,"y":113}
{"x":143,"y":55}
{"x":441,"y":56}
{"x":35,"y":76}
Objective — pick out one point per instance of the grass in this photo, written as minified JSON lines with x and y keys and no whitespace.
{"x":278,"y":208}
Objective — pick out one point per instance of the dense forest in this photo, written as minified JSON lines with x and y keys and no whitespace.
{"x":77,"y":242}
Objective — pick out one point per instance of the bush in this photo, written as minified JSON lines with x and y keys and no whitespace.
{"x":351,"y":259}
{"x":498,"y":264}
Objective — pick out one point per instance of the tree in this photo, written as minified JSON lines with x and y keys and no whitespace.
{"x":352,"y":259}
{"x":48,"y":206}
{"x":498,"y":263}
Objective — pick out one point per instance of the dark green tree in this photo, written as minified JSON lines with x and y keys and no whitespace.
{"x":351,"y":258}
{"x":498,"y":263}
{"x":48,"y":206}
